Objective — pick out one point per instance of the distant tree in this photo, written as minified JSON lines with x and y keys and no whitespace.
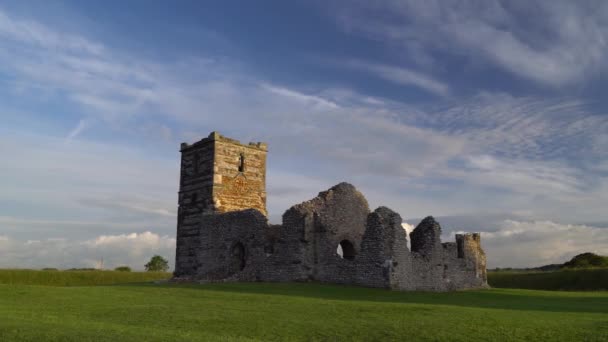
{"x":157,"y":264}
{"x":83,"y":269}
{"x":123,"y":269}
{"x":50,"y":269}
{"x":586,"y":260}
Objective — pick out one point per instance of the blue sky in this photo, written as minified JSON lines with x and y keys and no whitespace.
{"x":488,"y":115}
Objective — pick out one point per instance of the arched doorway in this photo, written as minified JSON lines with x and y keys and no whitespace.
{"x":238,"y":260}
{"x":346,"y":250}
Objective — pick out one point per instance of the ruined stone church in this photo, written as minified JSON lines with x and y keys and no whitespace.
{"x":223,"y":233}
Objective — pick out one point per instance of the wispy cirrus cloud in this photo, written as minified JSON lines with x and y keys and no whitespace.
{"x":31,"y":33}
{"x":196,"y":96}
{"x":539,"y":178}
{"x":564,"y":130}
{"x":300,"y":97}
{"x":566,"y":45}
{"x":402,"y":76}
{"x":77,"y":130}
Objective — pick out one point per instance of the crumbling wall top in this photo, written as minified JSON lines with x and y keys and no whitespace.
{"x":384,"y":225}
{"x":340,"y":190}
{"x":216,"y":136}
{"x":426,"y":237}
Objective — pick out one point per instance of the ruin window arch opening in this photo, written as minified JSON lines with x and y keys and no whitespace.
{"x":460,"y":248}
{"x":238,"y":257}
{"x":346,"y":250}
{"x":242,"y":162}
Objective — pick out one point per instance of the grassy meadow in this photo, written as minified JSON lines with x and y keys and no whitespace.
{"x":284,"y":312}
{"x":77,"y":278}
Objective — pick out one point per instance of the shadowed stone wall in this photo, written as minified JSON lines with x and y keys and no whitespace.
{"x":384,"y":253}
{"x":336,"y":216}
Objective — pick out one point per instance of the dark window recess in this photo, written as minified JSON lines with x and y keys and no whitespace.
{"x":196,"y":161}
{"x":242,"y":163}
{"x":238,"y":257}
{"x":269,"y":249}
{"x":460,"y":247}
{"x":194,"y":198}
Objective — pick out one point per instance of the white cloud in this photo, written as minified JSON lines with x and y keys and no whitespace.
{"x":132,"y":204}
{"x":300,"y":97}
{"x":85,"y":188}
{"x":77,"y":130}
{"x":133,"y":250}
{"x":568,"y":43}
{"x":31,"y":32}
{"x":534,"y":177}
{"x":408,"y":228}
{"x":21,"y":222}
{"x":523,"y":127}
{"x":402,"y":76}
{"x":537,"y":243}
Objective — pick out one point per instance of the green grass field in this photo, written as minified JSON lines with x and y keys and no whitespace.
{"x":77,"y":278}
{"x":263,"y":312}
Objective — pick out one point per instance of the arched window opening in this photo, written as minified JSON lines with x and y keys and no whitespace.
{"x":346,"y":250}
{"x":238,"y":257}
{"x":460,"y":248}
{"x":242,"y":162}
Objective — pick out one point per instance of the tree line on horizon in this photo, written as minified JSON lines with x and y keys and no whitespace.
{"x":156,"y":264}
{"x":580,"y":261}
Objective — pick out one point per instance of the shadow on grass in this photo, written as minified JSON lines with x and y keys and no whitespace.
{"x":507,"y":299}
{"x":592,"y":279}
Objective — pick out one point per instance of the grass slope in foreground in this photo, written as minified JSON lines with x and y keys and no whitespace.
{"x":263,"y":312}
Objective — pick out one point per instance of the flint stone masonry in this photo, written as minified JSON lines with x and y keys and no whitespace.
{"x":220,"y":174}
{"x":223,"y":233}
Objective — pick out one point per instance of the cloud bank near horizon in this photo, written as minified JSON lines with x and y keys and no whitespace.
{"x":105,"y":251}
{"x":537,"y":243}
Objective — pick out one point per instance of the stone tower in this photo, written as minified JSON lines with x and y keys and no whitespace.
{"x":220,"y":174}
